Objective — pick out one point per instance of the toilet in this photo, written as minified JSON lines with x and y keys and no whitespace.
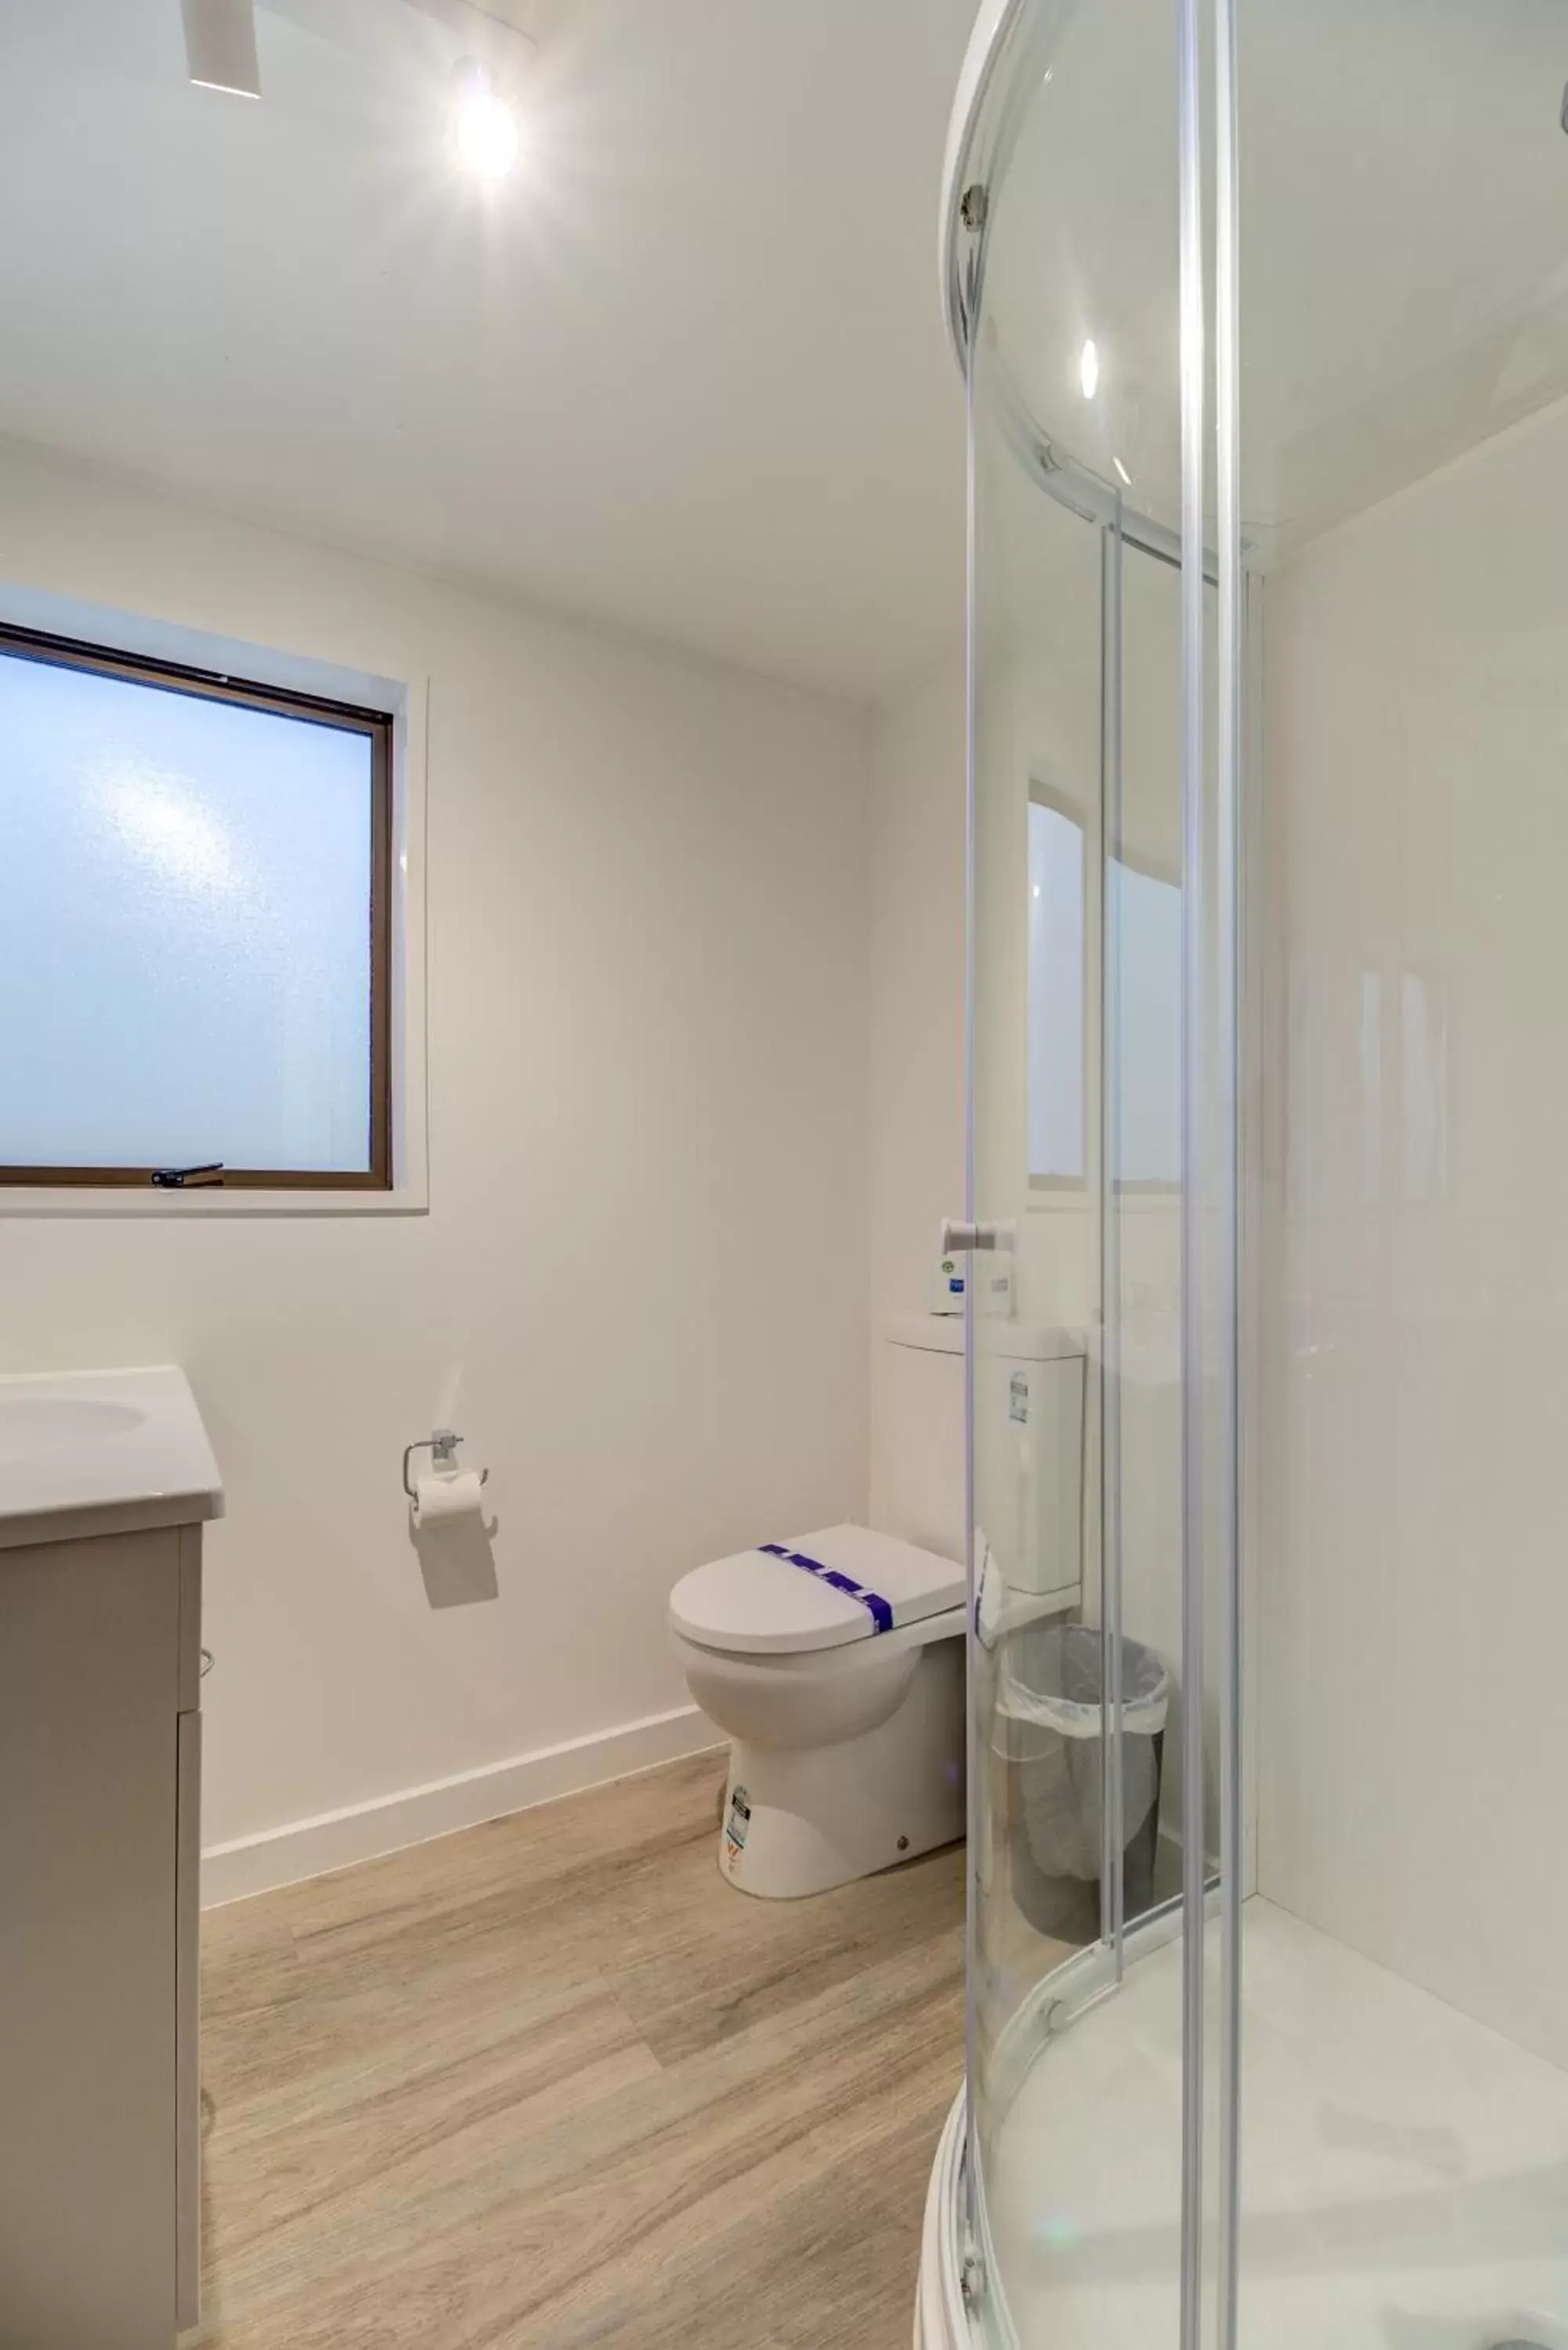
{"x":834,"y":1661}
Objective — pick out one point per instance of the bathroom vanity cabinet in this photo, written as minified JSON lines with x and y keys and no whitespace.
{"x":100,"y":1747}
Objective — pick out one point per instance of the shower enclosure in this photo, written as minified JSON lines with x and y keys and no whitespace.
{"x":1262,"y":310}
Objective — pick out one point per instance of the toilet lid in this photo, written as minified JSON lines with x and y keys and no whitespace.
{"x":778,"y":1598}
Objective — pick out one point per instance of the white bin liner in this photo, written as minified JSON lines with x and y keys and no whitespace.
{"x":1052,"y":1728}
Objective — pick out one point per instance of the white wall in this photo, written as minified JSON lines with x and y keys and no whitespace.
{"x":1413,"y":1603}
{"x":640,"y":1289}
{"x":1040,"y":724}
{"x":918,"y":757}
{"x":916,"y":997}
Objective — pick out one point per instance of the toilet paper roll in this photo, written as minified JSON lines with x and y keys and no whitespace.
{"x":439,"y":1498}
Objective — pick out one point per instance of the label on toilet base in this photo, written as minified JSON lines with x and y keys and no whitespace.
{"x":735,"y":1826}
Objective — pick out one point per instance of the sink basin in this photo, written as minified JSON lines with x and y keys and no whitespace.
{"x":93,"y":1453}
{"x":30,"y":1424}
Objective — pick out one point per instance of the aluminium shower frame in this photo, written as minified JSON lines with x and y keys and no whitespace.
{"x":1011,"y":41}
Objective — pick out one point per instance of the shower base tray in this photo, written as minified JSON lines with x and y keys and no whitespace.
{"x":1405,"y":2182}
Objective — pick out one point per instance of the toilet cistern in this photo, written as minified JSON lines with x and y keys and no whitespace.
{"x":955,"y":1239}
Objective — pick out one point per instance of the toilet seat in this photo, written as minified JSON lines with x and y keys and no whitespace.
{"x":778,"y":1600}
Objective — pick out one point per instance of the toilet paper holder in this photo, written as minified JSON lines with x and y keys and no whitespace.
{"x":442,"y":1443}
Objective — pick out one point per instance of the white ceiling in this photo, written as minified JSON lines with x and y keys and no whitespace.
{"x":685,"y":371}
{"x":1404,"y":245}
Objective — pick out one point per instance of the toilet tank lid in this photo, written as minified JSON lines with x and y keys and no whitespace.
{"x":1015,"y":1342}
{"x":766,"y":1601}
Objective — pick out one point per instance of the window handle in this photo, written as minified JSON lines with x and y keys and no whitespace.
{"x":178,"y":1179}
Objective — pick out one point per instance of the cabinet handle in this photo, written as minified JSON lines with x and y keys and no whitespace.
{"x":208,"y":1661}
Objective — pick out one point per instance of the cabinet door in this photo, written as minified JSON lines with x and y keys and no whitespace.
{"x":88,"y":1651}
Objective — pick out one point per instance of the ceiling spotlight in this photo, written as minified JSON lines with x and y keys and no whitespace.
{"x":487,"y":133}
{"x":220,"y":45}
{"x":1089,"y":371}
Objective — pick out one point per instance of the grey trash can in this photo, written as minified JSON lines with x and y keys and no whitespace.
{"x":1050,"y":1729}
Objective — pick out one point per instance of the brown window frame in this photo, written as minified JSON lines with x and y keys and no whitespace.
{"x":176,"y":676}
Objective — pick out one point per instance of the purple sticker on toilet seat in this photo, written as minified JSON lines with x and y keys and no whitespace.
{"x":880,"y":1610}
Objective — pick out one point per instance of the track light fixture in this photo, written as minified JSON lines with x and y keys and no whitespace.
{"x":220,"y":45}
{"x":221,"y":54}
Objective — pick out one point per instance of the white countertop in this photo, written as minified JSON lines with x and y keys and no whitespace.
{"x":96,"y":1452}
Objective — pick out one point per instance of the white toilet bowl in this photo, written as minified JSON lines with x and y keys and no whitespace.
{"x":835,"y":1663}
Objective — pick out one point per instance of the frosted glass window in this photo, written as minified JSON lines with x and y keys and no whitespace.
{"x":1057,"y":1117}
{"x":1146,"y":914}
{"x":1146,"y":1050}
{"x":192,"y":928}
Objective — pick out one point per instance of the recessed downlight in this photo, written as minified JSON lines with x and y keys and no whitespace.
{"x":487,"y":134}
{"x":489,"y":130}
{"x":1088,"y":370}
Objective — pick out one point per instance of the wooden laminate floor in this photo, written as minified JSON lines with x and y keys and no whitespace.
{"x":552,"y":2084}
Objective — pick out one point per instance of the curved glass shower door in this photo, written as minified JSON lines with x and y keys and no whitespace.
{"x":1270,"y":2043}
{"x":1103,"y":979}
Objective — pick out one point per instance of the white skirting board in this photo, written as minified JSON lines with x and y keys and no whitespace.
{"x":301,"y":1848}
